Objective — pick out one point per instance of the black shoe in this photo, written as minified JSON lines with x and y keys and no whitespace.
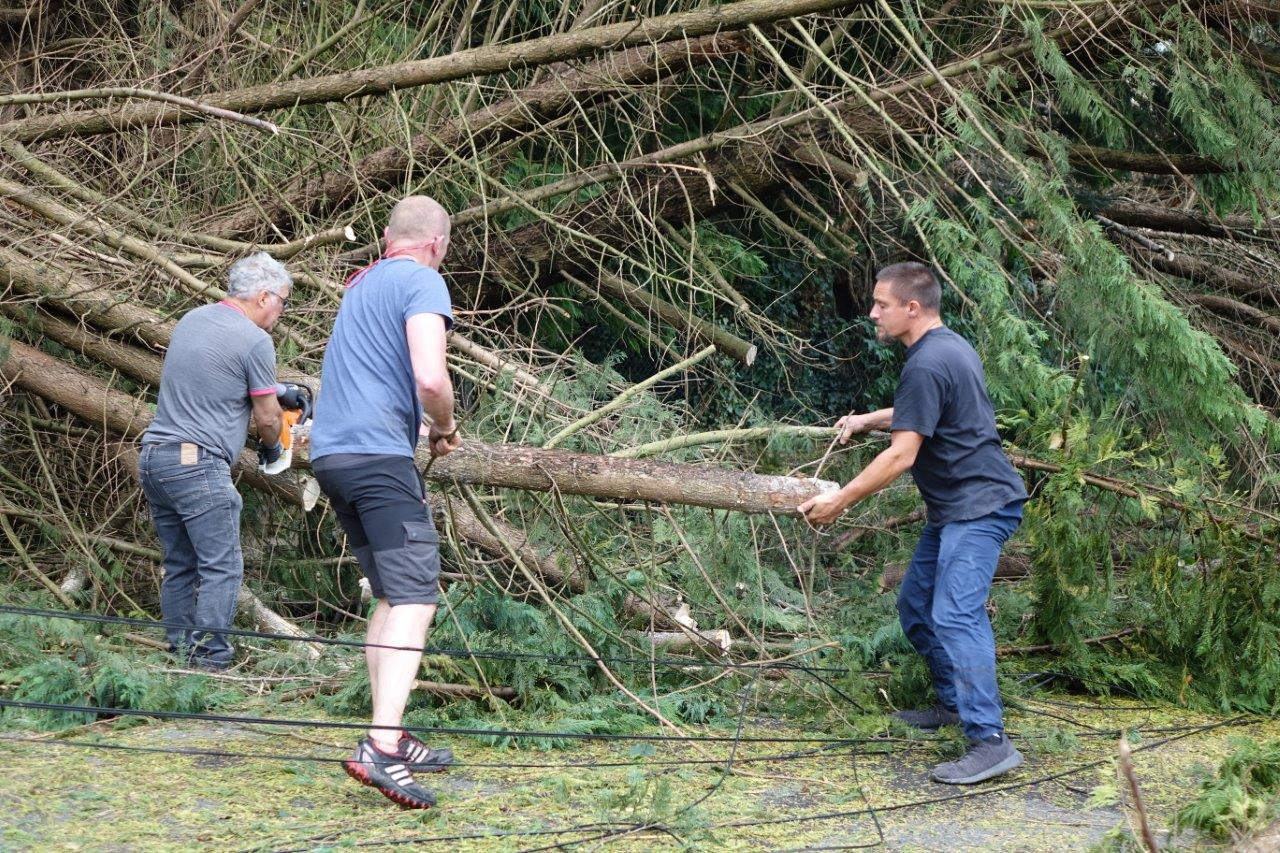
{"x":986,"y":759}
{"x":422,"y":758}
{"x":390,"y":774}
{"x":928,"y":719}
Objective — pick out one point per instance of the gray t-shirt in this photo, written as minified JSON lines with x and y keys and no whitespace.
{"x":961,"y":469}
{"x":217,"y":360}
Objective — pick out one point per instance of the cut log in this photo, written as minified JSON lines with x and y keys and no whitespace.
{"x":264,"y":618}
{"x":477,"y":463}
{"x":717,"y":640}
{"x":513,"y":466}
{"x":487,"y":59}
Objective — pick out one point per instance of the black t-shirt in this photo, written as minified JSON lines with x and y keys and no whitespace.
{"x":961,"y":469}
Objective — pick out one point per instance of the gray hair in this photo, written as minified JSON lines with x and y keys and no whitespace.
{"x":249,"y":276}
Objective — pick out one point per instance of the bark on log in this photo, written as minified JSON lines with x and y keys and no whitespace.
{"x":1151,"y":164}
{"x":568,"y":87}
{"x":488,"y":59}
{"x":513,"y":466}
{"x":266,"y":619}
{"x":1010,"y":567}
{"x":1238,"y":310}
{"x":1160,"y":218}
{"x":82,"y":297}
{"x":465,"y":691}
{"x":1202,"y":272}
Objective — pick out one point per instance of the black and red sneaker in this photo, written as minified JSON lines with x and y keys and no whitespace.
{"x":390,"y":774}
{"x":423,"y":758}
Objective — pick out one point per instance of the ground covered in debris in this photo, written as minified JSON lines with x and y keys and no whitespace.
{"x":255,"y":788}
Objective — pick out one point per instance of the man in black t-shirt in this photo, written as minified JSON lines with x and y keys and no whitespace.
{"x":943,"y":429}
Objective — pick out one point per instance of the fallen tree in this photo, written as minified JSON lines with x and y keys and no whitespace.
{"x":490,"y":59}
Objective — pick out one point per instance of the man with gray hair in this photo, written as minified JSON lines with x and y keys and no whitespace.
{"x":220,"y":366}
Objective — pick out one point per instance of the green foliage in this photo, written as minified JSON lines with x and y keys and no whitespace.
{"x":1243,"y":796}
{"x":63,"y":662}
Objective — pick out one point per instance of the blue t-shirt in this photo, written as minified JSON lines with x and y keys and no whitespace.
{"x":368,"y":400}
{"x":961,"y":469}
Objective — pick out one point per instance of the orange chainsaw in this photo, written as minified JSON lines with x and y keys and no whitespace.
{"x":296,"y":401}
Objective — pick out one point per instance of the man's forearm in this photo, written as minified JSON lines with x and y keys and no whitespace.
{"x":890,"y":464}
{"x":437,"y":402}
{"x":880,"y":419}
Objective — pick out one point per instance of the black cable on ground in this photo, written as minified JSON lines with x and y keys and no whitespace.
{"x":569,"y":660}
{"x":433,"y":730}
{"x":471,"y":836}
{"x":324,"y":759}
{"x":999,"y":789}
{"x":802,"y":818}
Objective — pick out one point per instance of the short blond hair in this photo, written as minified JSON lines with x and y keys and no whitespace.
{"x":417,"y":218}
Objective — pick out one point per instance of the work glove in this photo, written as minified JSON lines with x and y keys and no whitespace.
{"x":269,"y":454}
{"x":291,"y":396}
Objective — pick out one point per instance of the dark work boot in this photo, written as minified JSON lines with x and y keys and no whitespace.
{"x":986,"y":759}
{"x":928,"y":719}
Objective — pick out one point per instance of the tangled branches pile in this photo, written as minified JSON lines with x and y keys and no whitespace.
{"x":632,"y":182}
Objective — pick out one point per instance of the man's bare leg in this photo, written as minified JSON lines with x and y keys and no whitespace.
{"x":371,"y":655}
{"x":403,"y":625}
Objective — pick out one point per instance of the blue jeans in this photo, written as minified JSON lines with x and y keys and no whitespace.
{"x":196,"y":510}
{"x":942,"y":607}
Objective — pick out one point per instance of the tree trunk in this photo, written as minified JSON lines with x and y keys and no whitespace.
{"x":477,"y":463}
{"x":513,"y":466}
{"x":465,"y":691}
{"x":488,"y":59}
{"x":1151,"y":164}
{"x":568,"y":87}
{"x":1158,"y":217}
{"x":82,"y":297}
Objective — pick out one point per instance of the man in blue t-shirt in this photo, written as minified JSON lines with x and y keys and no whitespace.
{"x":384,"y":381}
{"x":943,"y":429}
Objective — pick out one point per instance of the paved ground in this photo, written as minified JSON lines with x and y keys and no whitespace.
{"x":55,"y":796}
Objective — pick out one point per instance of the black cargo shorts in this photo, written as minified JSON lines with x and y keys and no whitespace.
{"x":381,"y":504}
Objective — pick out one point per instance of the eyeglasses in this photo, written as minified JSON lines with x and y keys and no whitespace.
{"x":284,"y":303}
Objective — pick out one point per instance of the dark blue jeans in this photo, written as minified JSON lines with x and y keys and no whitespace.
{"x":196,"y":510}
{"x":942,"y":607}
